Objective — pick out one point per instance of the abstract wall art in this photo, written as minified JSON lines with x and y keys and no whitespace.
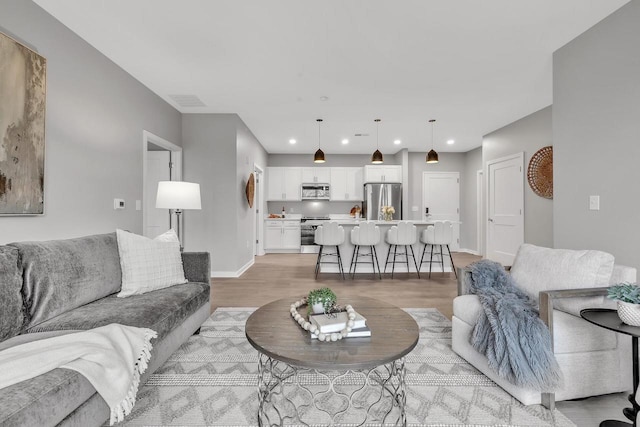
{"x":22,"y":128}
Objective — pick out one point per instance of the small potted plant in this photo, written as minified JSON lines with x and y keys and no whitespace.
{"x":321,"y":300}
{"x":628,"y":297}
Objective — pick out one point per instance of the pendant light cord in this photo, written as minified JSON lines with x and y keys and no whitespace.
{"x":433,"y":121}
{"x":319,"y":122}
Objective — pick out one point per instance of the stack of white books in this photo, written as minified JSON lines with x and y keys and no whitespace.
{"x":336,"y":322}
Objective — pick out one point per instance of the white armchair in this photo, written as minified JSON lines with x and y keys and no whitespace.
{"x":593,"y":360}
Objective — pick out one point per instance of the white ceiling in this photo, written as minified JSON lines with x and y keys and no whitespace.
{"x":475,"y":66}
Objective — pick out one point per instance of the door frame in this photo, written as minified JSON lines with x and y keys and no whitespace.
{"x":258,"y":212}
{"x":479,"y":211}
{"x":176,"y":171}
{"x":519,"y":156}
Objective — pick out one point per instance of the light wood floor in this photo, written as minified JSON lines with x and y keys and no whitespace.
{"x":276,"y":276}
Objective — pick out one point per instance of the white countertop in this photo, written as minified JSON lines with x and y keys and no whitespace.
{"x":395,"y":222}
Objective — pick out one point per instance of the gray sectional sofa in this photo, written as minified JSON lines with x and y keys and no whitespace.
{"x":56,"y":287}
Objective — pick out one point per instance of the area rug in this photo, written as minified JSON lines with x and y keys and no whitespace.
{"x":212,"y":381}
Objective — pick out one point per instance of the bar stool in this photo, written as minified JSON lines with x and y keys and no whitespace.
{"x":329,"y":234}
{"x":365,"y":234}
{"x":439,"y":234}
{"x":403,"y":234}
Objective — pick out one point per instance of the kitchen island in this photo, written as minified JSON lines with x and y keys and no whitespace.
{"x":382,"y":248}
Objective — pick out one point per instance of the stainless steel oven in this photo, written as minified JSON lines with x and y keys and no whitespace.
{"x":308,"y":227}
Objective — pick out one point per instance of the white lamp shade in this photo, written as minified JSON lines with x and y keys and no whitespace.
{"x":178,"y":195}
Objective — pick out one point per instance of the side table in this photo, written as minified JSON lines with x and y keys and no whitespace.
{"x":608,"y":319}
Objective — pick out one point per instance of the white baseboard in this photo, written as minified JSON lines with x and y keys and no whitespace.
{"x":232,"y":274}
{"x":469,"y":251}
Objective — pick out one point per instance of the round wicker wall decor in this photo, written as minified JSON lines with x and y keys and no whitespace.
{"x":250,"y":190}
{"x":540,"y":172}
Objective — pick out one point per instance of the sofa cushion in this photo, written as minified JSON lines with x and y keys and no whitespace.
{"x":60,"y":275}
{"x":11,"y":310}
{"x":44,"y":400}
{"x":159,"y":310}
{"x":538,"y":269}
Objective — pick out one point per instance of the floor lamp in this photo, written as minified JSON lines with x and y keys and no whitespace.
{"x":178,"y":195}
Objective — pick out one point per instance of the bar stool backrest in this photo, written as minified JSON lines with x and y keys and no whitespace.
{"x":366,"y":234}
{"x":402,"y":234}
{"x":441,"y":233}
{"x":329,"y":234}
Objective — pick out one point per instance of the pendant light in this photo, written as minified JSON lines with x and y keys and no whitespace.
{"x":376,"y":158}
{"x":432,"y":156}
{"x":319,"y":156}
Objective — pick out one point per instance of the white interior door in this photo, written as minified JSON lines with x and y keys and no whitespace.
{"x":505,"y":216}
{"x":158,"y":169}
{"x":441,"y":195}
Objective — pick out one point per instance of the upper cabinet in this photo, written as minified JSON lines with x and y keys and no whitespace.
{"x":375,"y":173}
{"x":346,"y":184}
{"x":319,"y":175}
{"x":284,"y":183}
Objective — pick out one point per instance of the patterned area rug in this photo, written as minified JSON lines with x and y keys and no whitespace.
{"x":212,"y":381}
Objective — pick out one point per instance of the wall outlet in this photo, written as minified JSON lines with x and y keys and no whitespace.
{"x":414,"y":209}
{"x":118,"y":204}
{"x":594,"y":203}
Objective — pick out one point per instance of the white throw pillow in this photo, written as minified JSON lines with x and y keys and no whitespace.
{"x":538,"y":269}
{"x":149,"y":264}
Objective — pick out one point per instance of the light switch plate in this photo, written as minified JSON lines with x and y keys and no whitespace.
{"x":118,"y":204}
{"x":414,"y":209}
{"x":138,"y":205}
{"x":594,"y":203}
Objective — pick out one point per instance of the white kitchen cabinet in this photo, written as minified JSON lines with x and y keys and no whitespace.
{"x":283,"y":183}
{"x":375,"y":173}
{"x":346,"y":184}
{"x":316,"y":175}
{"x":291,"y":235}
{"x":280,"y":234}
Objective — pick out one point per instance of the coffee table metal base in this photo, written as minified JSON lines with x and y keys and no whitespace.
{"x":291,"y":394}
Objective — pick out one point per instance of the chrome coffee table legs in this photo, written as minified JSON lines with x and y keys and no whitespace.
{"x":290,"y":395}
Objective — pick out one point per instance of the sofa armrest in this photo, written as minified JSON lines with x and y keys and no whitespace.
{"x":464,"y":280}
{"x":197,"y":266}
{"x":547,"y":298}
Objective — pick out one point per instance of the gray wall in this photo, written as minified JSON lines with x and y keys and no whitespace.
{"x":249,"y":152}
{"x":596,"y":131}
{"x":219,"y":153}
{"x":469,"y":201}
{"x":528,"y":134}
{"x":95,"y":116}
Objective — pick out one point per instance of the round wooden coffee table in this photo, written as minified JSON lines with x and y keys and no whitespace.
{"x":297,"y":373}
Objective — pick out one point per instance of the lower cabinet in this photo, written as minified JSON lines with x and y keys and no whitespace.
{"x":281,"y":235}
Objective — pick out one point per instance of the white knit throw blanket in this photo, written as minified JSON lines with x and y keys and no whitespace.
{"x":111,"y":357}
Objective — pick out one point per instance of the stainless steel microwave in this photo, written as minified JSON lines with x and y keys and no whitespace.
{"x":315,"y":192}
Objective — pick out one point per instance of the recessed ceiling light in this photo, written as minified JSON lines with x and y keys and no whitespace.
{"x":450,"y":142}
{"x":345,"y":141}
{"x":324,"y":98}
{"x":292,"y":141}
{"x":397,"y":142}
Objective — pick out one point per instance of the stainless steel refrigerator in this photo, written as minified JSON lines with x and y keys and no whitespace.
{"x":377,"y":195}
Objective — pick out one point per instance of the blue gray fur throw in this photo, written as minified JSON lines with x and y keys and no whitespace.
{"x":511,"y":334}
